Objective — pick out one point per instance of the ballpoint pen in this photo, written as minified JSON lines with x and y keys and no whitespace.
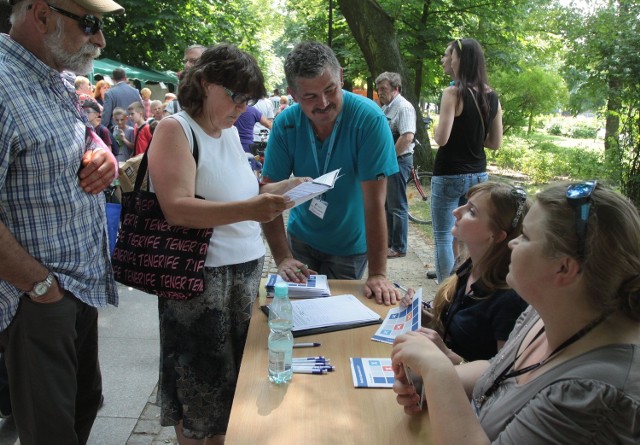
{"x":402,"y":288}
{"x":306,"y":345}
{"x":310,"y":371}
{"x":316,"y":368}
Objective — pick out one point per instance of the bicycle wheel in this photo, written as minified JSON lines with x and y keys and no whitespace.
{"x":419,"y":208}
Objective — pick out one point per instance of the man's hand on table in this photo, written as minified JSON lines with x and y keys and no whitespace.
{"x":294,"y":271}
{"x":383,"y":290}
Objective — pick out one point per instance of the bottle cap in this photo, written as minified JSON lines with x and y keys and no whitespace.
{"x":282,"y":290}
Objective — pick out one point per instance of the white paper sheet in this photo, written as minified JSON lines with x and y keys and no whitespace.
{"x":309,"y":190}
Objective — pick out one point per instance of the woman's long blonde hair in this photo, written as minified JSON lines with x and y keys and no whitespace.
{"x":97,"y":93}
{"x":504,"y":205}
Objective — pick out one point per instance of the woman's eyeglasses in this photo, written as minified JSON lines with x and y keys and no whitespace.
{"x":89,"y":24}
{"x":459,"y":43}
{"x":520,"y":195}
{"x":239,"y":98}
{"x":579,"y":197}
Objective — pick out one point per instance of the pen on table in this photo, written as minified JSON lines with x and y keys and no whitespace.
{"x":310,"y":371}
{"x":309,"y":358}
{"x":311,"y":362}
{"x":328,"y":368}
{"x":306,"y":345}
{"x":402,"y":288}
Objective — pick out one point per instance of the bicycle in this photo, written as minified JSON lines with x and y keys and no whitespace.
{"x":418,"y":193}
{"x":258,"y":149}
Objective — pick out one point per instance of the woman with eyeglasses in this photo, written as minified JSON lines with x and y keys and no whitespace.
{"x":570,"y":371}
{"x":470,"y":119}
{"x":202,"y":339}
{"x":474,"y":310}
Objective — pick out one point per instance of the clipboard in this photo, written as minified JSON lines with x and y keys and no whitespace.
{"x":329,"y":327}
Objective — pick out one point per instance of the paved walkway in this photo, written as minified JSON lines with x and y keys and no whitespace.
{"x":129,"y":357}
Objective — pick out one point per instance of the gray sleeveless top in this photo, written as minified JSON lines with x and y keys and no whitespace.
{"x":591,"y":399}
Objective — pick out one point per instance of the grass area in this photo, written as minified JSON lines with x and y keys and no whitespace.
{"x":561,"y":148}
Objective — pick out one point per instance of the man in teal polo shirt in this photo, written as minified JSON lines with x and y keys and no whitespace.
{"x":337,"y":233}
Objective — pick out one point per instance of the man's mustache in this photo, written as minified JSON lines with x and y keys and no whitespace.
{"x":323,"y":110}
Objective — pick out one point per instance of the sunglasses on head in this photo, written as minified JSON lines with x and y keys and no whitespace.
{"x":239,"y":98}
{"x":579,"y":197}
{"x":520,"y":195}
{"x":459,"y":43}
{"x":89,"y":24}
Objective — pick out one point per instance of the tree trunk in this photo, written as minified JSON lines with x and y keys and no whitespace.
{"x":612,"y":126}
{"x":375,"y":34}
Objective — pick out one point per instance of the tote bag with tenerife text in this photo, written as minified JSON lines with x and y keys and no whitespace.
{"x":153,"y":256}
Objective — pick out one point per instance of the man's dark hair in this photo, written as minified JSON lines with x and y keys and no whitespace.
{"x":224,"y":65}
{"x":119,"y":74}
{"x":309,"y":60}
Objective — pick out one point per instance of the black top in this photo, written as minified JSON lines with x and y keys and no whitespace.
{"x":475,"y":322}
{"x":464,"y":151}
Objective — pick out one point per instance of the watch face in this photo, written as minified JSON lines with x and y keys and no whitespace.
{"x":41,"y":289}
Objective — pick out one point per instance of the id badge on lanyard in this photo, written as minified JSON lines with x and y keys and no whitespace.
{"x":318,"y":204}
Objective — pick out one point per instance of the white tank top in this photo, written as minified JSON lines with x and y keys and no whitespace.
{"x":224,"y":174}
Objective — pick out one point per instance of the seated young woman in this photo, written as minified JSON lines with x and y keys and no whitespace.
{"x":569,"y":372}
{"x":474,"y":310}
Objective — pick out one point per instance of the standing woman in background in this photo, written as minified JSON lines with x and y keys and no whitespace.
{"x":470,"y":119}
{"x":101,"y":89}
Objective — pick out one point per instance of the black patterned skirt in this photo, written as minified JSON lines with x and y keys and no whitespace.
{"x":201,"y":344}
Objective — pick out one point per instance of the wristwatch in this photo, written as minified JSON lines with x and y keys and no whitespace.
{"x":41,"y":288}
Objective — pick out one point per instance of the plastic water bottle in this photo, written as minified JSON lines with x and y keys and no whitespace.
{"x":280,"y":338}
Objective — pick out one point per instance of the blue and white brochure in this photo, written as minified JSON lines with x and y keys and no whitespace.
{"x":400,"y":320}
{"x":372,"y":372}
{"x":316,"y":286}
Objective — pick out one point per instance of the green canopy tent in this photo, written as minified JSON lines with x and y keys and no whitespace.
{"x":104,"y":68}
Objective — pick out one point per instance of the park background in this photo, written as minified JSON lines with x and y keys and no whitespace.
{"x":567,"y":71}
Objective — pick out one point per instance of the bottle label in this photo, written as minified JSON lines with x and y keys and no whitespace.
{"x":277,"y":361}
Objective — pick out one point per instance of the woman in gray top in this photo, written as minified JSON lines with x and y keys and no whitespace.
{"x":570,"y":371}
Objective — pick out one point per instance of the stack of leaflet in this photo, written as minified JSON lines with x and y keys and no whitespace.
{"x":316,"y":286}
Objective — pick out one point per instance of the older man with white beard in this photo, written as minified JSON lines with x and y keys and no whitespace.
{"x":54,"y":260}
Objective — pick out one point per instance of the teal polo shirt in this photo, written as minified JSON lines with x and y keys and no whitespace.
{"x":363,"y":149}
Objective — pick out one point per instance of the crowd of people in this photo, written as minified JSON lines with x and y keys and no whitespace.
{"x":533,"y":333}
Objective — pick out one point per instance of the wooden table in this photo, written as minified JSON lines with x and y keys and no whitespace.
{"x":320,"y":409}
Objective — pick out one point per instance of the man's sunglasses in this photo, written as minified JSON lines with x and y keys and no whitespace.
{"x":89,"y":24}
{"x":579,"y":197}
{"x":239,"y":98}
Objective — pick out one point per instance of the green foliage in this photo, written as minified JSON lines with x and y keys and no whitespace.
{"x":582,"y":128}
{"x":527,"y":93}
{"x":154,"y":33}
{"x":543,"y":160}
{"x":555,"y":129}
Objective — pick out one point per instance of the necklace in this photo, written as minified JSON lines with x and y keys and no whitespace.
{"x":505,"y":374}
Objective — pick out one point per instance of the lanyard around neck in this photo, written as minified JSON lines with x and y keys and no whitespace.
{"x":505,"y":374}
{"x":332,"y":140}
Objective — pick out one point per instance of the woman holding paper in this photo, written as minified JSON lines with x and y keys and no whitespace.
{"x":570,"y":370}
{"x":474,"y":310}
{"x":202,"y":339}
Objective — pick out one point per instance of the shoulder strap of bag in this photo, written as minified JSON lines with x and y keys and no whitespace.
{"x":473,"y":96}
{"x":142,"y":170}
